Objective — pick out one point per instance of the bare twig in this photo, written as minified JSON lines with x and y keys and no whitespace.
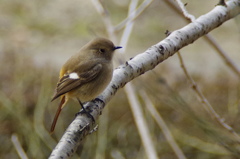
{"x":102,"y":136}
{"x":208,"y":107}
{"x":141,"y":123}
{"x":133,"y":15}
{"x":167,"y":133}
{"x":106,"y":19}
{"x":223,"y":54}
{"x":18,"y":147}
{"x":128,"y":26}
{"x":184,"y":11}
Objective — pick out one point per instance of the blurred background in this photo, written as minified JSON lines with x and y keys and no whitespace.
{"x":37,"y":37}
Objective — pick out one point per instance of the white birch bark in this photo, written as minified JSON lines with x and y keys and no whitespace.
{"x":138,"y":65}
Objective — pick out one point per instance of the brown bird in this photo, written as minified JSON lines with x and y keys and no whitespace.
{"x":86,"y":74}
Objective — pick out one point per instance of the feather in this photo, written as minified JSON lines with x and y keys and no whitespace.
{"x":67,"y":84}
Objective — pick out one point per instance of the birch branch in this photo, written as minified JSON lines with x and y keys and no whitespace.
{"x":138,"y":65}
{"x":230,"y":63}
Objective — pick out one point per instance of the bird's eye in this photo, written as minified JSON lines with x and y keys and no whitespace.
{"x":102,"y":50}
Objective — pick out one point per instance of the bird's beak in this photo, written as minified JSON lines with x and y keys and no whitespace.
{"x":117,"y":47}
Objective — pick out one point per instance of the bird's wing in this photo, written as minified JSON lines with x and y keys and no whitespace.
{"x":76,"y":79}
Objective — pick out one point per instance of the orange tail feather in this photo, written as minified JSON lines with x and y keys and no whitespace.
{"x":57,"y":114}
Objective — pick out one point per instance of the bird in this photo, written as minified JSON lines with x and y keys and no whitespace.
{"x":85,"y":75}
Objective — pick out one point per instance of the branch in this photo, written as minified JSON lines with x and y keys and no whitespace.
{"x":138,"y":65}
{"x":208,"y":37}
{"x":141,"y":123}
{"x":229,"y":62}
{"x":133,"y":15}
{"x":185,"y":12}
{"x":206,"y":105}
{"x":18,"y":147}
{"x":106,"y":18}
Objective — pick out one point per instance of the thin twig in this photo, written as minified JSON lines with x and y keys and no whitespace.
{"x":141,"y":122}
{"x":18,"y":147}
{"x":167,"y":133}
{"x":102,"y":138}
{"x":184,"y":11}
{"x":132,"y":16}
{"x":208,"y":107}
{"x":128,"y":26}
{"x":223,"y":54}
{"x":106,"y":18}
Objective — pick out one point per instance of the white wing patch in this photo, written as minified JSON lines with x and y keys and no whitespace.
{"x":73,"y":75}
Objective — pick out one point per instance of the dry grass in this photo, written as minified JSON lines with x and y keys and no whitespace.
{"x":26,"y":111}
{"x":28,"y":51}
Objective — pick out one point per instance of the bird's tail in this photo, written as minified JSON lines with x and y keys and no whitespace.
{"x":61,"y":104}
